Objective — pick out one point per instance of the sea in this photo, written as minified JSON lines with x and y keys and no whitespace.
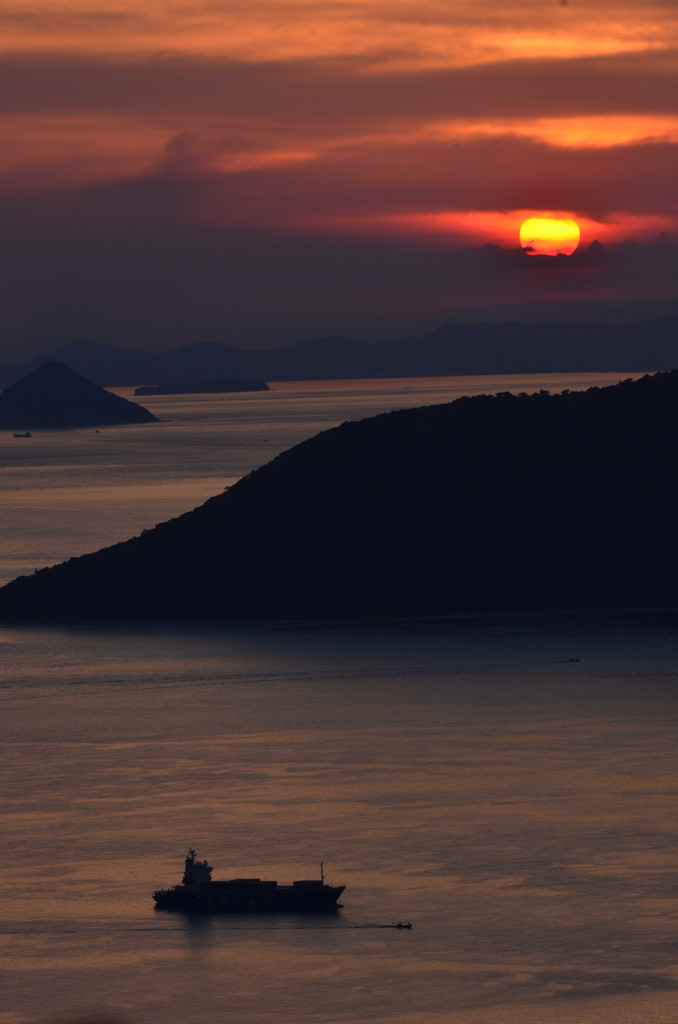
{"x":508,"y":784}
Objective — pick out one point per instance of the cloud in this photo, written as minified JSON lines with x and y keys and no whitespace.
{"x":311,"y":93}
{"x":431,"y":178}
{"x":406,"y":33}
{"x":80,"y":119}
{"x":233,"y":178}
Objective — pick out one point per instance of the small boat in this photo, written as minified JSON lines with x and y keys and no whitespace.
{"x":197,"y":893}
{"x":27,"y":434}
{"x":403,"y":924}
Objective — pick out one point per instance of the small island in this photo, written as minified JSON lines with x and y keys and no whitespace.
{"x":213,"y":386}
{"x":54,"y":397}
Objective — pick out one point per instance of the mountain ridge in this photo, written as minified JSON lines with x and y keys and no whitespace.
{"x":451,"y":350}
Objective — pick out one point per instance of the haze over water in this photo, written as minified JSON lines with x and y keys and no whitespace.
{"x":508,"y":785}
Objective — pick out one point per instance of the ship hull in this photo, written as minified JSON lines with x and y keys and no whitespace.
{"x":218,"y":898}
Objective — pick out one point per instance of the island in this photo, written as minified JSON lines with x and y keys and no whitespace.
{"x":218,"y":385}
{"x":55,"y":397}
{"x":488,"y":504}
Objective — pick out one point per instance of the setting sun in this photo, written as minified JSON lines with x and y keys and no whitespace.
{"x":549,"y":236}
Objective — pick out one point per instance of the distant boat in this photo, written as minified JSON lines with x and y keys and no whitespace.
{"x":198,"y":894}
{"x":214,"y":386}
{"x":27,"y":434}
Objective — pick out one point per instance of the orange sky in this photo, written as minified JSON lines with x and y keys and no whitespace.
{"x":341,"y":163}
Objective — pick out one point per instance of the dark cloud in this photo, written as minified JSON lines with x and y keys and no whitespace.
{"x":502,"y":173}
{"x":89,"y":265}
{"x":307,"y":94}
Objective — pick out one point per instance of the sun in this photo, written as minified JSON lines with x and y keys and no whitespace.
{"x":549,"y":236}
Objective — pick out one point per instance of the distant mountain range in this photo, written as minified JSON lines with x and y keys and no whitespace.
{"x":487,"y":504}
{"x":454,"y":349}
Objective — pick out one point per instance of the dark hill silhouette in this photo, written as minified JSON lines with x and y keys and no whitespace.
{"x":54,"y":396}
{"x":451,"y":350}
{"x":490,"y":503}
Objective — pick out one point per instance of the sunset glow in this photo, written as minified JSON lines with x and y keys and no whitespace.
{"x":181,"y":136}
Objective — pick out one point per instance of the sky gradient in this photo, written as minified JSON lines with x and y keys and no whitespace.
{"x":258,"y":172}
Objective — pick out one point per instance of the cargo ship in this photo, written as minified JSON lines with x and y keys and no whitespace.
{"x":198,"y":893}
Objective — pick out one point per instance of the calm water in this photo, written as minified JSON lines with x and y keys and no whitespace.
{"x":508,"y":785}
